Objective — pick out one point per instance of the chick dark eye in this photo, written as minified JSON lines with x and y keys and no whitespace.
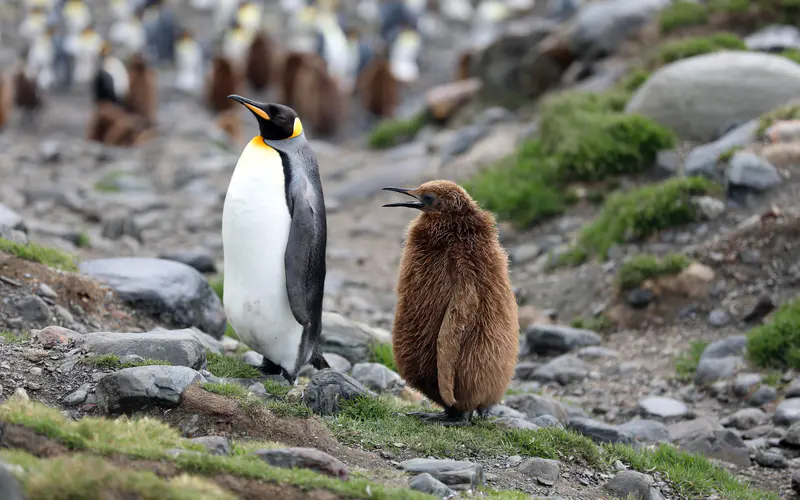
{"x":428,"y":198}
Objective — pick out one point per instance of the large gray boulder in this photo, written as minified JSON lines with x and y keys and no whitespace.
{"x":700,"y":96}
{"x":164,"y":289}
{"x":178,"y":347}
{"x":601,"y":27}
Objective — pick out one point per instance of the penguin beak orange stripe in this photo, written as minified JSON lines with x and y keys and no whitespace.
{"x":251,"y":105}
{"x":407,"y":192}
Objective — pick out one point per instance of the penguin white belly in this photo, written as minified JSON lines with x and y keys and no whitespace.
{"x":255,"y":231}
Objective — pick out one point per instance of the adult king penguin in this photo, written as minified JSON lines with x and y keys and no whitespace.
{"x":274,"y":237}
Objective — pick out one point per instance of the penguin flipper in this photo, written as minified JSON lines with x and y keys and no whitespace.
{"x":304,"y":260}
{"x":462,"y":306}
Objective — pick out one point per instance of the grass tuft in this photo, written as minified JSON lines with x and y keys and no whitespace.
{"x":599,"y":324}
{"x":218,"y":285}
{"x":642,"y":212}
{"x":683,"y":14}
{"x":276,"y":389}
{"x":644,"y":267}
{"x":10,"y":337}
{"x":51,"y":257}
{"x":112,"y":362}
{"x":788,"y":112}
{"x":776,"y":344}
{"x":229,"y":367}
{"x":690,"y":47}
{"x":382,"y":353}
{"x":389,"y":133}
{"x":686,"y":363}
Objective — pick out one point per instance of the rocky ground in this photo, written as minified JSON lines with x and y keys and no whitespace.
{"x":136,"y":329}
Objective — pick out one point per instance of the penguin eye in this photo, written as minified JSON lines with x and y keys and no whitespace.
{"x":428,"y":198}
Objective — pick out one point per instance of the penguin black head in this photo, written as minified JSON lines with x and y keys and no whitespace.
{"x":276,"y":122}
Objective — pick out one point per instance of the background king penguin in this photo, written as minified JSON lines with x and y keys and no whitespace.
{"x":274,"y":236}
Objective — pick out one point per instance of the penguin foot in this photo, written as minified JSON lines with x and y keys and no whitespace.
{"x":448,"y":418}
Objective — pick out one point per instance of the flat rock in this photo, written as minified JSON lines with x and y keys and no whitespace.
{"x":164,"y":289}
{"x":349,"y":339}
{"x":734,"y":345}
{"x":337,"y":362}
{"x":630,"y":484}
{"x":200,"y":260}
{"x":305,"y":458}
{"x":542,"y":470}
{"x":516,"y":423}
{"x":648,"y":431}
{"x":457,"y":475}
{"x":787,"y":412}
{"x":663,"y":408}
{"x":710,"y":370}
{"x":564,"y":369}
{"x":771,"y":460}
{"x":505,"y":411}
{"x":747,"y":418}
{"x":375,"y":376}
{"x":681,"y":430}
{"x":599,"y":431}
{"x":327,"y":388}
{"x":546,"y":421}
{"x":426,"y":483}
{"x":534,"y":405}
{"x":745,"y":382}
{"x":548,"y":340}
{"x":752,"y":171}
{"x":216,"y":445}
{"x":698,"y":96}
{"x":792,"y":437}
{"x":132,"y":389}
{"x":723,"y":445}
{"x":178,"y":347}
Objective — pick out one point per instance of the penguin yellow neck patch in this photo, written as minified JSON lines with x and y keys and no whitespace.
{"x":298,"y":128}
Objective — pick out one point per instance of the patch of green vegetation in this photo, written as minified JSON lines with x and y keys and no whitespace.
{"x":642,"y":212}
{"x":689,"y":47}
{"x":83,"y":241}
{"x":389,"y":133}
{"x":726,"y":156}
{"x":731,"y":6}
{"x":583,"y":136}
{"x":788,"y":112}
{"x":289,"y":409}
{"x":81,"y":476}
{"x":230,"y":332}
{"x":108,"y":183}
{"x":276,"y":389}
{"x":643,"y":267}
{"x":229,"y":367}
{"x":250,"y":402}
{"x":601,"y":323}
{"x":773,"y":378}
{"x":112,"y":362}
{"x":10,"y":337}
{"x":683,"y":14}
{"x":149,"y":438}
{"x":380,"y":352}
{"x":792,"y":55}
{"x":227,"y":389}
{"x":218,"y":285}
{"x":51,"y":257}
{"x":633,"y":79}
{"x":503,"y":495}
{"x":776,"y":344}
{"x":686,"y":363}
{"x":380,"y":423}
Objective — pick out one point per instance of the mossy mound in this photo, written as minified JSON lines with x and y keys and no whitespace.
{"x":583,"y":137}
{"x":690,"y":47}
{"x":776,"y":344}
{"x":50,"y":257}
{"x":388,"y":133}
{"x":639,"y":213}
{"x":749,"y":14}
{"x":643,"y":267}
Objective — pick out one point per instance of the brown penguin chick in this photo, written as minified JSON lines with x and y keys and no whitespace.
{"x":258,"y":66}
{"x":105,"y":115}
{"x":323,"y":103}
{"x":380,"y":91}
{"x":456,"y":331}
{"x":27,"y":95}
{"x":293,"y":63}
{"x":142,"y":96}
{"x":223,"y":81}
{"x":6,"y":99}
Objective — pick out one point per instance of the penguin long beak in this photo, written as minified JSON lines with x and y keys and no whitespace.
{"x":251,"y":105}
{"x":408,"y":192}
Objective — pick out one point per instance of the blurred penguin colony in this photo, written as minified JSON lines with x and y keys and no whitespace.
{"x":318,"y":56}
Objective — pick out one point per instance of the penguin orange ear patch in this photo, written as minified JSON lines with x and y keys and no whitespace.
{"x":260,"y":112}
{"x":298,"y":128}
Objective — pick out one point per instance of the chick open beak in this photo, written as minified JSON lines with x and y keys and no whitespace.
{"x":408,"y":192}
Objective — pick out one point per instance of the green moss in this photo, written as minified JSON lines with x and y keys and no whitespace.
{"x":218,"y":285}
{"x":686,"y":363}
{"x":732,"y":6}
{"x":276,"y":388}
{"x":382,"y":353}
{"x":633,"y":79}
{"x":689,"y":47}
{"x":229,"y":367}
{"x":726,"y":156}
{"x":643,"y":267}
{"x":389,"y":133}
{"x":642,"y":212}
{"x":776,"y":344}
{"x":83,"y":241}
{"x":788,"y":112}
{"x":380,"y":423}
{"x":10,"y":337}
{"x":50,"y":257}
{"x":773,"y":378}
{"x":82,"y":477}
{"x":112,"y":362}
{"x":792,"y":55}
{"x":601,"y":323}
{"x":682,"y":14}
{"x":150,"y":439}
